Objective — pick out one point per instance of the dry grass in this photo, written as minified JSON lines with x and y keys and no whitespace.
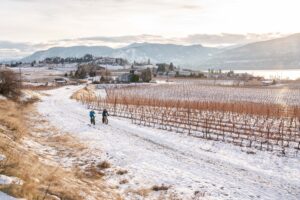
{"x":12,"y":117}
{"x":143,"y":192}
{"x":24,"y":164}
{"x":85,"y":93}
{"x":67,"y":141}
{"x":93,"y":172}
{"x":41,"y":180}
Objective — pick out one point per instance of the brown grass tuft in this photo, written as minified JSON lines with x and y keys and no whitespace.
{"x":93,"y":172}
{"x":104,"y":165}
{"x":124,"y":181}
{"x":84,"y":93}
{"x":122,"y":172}
{"x":143,"y":192}
{"x":160,"y":187}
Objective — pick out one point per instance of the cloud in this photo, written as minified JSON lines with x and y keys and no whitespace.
{"x":124,"y":39}
{"x":190,"y":7}
{"x":9,"y":50}
{"x":18,"y":45}
{"x":225,"y":39}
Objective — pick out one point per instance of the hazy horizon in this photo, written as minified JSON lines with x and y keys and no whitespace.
{"x":31,"y":25}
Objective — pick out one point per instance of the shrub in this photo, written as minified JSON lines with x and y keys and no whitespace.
{"x":134,"y":78}
{"x":9,"y":83}
{"x":124,"y":181}
{"x":122,"y":172}
{"x":160,"y":187}
{"x":81,"y":73}
{"x":104,"y":165}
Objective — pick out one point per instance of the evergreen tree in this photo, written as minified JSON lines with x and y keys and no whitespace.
{"x":171,"y":68}
{"x":134,"y":78}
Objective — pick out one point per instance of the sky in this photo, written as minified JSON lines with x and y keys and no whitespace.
{"x":30,"y":25}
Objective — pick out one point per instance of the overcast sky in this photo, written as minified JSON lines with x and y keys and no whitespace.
{"x":29,"y":25}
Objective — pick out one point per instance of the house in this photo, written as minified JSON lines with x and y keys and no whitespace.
{"x":184,"y":73}
{"x":258,"y":82}
{"x":106,"y":60}
{"x":60,"y":81}
{"x":125,"y":78}
{"x":267,"y":82}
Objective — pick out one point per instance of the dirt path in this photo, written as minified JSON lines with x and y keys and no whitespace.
{"x":190,"y":166}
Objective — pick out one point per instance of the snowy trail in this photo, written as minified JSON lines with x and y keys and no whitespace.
{"x":155,"y":157}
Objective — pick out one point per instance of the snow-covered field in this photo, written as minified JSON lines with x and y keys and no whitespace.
{"x":43,"y":73}
{"x":191,"y":166}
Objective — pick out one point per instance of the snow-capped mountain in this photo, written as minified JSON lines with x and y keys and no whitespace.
{"x":271,"y":54}
{"x":178,"y":54}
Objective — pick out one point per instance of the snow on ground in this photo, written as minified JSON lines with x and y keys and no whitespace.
{"x":189,"y":165}
{"x":2,"y":157}
{"x":4,"y":196}
{"x":113,"y":67}
{"x":7,"y":180}
{"x":2,"y":97}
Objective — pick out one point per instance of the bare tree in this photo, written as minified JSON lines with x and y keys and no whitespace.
{"x":9,"y":83}
{"x":146,"y":75}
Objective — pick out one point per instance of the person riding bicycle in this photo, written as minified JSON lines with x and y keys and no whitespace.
{"x":104,"y":116}
{"x":92,"y":117}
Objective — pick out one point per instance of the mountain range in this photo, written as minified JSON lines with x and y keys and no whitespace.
{"x":281,"y":53}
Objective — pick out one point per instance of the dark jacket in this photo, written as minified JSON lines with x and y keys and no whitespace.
{"x":105,"y":113}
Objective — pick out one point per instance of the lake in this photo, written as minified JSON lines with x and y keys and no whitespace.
{"x":291,"y":74}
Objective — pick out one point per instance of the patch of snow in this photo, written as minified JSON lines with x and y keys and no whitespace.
{"x":154,"y":157}
{"x":2,"y":157}
{"x":47,"y":152}
{"x":113,"y":67}
{"x":4,"y":196}
{"x":2,"y":97}
{"x":7,"y":180}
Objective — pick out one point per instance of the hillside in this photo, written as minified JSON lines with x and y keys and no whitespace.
{"x":271,"y":54}
{"x":64,"y":52}
{"x":179,"y":54}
